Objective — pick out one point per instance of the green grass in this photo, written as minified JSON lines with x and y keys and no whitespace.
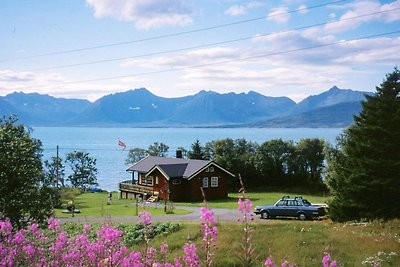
{"x":303,"y":243}
{"x":95,"y":205}
{"x":256,"y":199}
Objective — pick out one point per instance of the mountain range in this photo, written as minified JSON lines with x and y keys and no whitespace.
{"x":141,"y":108}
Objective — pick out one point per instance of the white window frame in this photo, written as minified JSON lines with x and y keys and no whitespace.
{"x":214,"y":181}
{"x":156,"y":179}
{"x":204,"y":182}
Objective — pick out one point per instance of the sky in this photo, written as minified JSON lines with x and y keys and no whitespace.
{"x":174,"y":48}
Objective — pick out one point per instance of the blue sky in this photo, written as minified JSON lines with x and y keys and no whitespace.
{"x":295,"y":48}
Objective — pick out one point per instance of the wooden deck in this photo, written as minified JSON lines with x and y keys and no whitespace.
{"x":128,"y":186}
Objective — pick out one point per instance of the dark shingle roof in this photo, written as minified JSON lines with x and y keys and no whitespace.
{"x":174,"y":167}
{"x":174,"y":170}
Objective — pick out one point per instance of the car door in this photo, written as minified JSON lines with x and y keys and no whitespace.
{"x":291,"y":208}
{"x":280,"y":208}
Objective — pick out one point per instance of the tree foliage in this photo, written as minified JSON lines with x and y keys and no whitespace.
{"x":156,"y":149}
{"x":24,"y":196}
{"x":135,"y":154}
{"x":197,"y":151}
{"x":54,"y":172}
{"x":272,"y":161}
{"x":364,"y":170}
{"x":83,"y":168}
{"x":235,"y":155}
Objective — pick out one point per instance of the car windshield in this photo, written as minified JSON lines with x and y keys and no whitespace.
{"x":305,"y":201}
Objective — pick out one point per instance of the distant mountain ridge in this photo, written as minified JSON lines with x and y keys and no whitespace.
{"x":141,"y":108}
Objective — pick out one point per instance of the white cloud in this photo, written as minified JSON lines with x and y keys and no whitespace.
{"x":303,"y":9}
{"x":236,"y":10}
{"x":359,"y":8}
{"x":274,"y":74}
{"x":145,"y":14}
{"x":53,"y":84}
{"x":192,"y":58}
{"x":279,"y":15}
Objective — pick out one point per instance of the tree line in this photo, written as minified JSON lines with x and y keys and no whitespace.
{"x":275,"y":163}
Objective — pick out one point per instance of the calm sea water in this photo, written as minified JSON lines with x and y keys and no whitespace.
{"x":102,"y":143}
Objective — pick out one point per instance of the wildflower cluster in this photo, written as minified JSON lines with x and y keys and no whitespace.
{"x":208,"y":225}
{"x":270,"y":263}
{"x":246,"y":210}
{"x":326,"y":261}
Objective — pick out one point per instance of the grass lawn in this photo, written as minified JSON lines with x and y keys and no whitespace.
{"x":303,"y":243}
{"x":256,"y":199}
{"x":95,"y":205}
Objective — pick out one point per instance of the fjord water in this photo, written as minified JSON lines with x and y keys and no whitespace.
{"x":102,"y":143}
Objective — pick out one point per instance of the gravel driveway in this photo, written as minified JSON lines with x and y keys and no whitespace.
{"x":222,"y":215}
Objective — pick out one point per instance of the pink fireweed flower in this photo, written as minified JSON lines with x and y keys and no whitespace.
{"x":326,"y":261}
{"x":87,"y":227}
{"x":54,"y":224}
{"x":191,"y":258}
{"x":20,"y":237}
{"x":164,"y":248}
{"x":5,"y":228}
{"x":286,"y":264}
{"x":133,"y":259}
{"x":245,"y":209}
{"x":208,"y":223}
{"x":109,"y":234}
{"x":29,"y":250}
{"x":207,"y":216}
{"x":269,"y":262}
{"x":146,"y":218}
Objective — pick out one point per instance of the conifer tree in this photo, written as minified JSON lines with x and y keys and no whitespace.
{"x":197,"y":151}
{"x":364,"y":171}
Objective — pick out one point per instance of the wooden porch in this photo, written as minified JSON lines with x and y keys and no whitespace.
{"x":128,"y":186}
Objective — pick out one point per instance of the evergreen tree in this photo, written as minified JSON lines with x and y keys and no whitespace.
{"x":197,"y":151}
{"x":24,"y":196}
{"x":364,"y":170}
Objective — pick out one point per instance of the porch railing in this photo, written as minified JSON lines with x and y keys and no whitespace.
{"x":128,"y":186}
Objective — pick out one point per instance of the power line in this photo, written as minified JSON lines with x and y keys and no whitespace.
{"x":212,"y":44}
{"x":234,"y":60}
{"x":173,"y":34}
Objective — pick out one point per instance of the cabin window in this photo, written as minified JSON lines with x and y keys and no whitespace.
{"x":214,"y":181}
{"x":210,"y":169}
{"x":147,"y":180}
{"x":205,"y":182}
{"x":176,"y":181}
{"x":156,"y":179}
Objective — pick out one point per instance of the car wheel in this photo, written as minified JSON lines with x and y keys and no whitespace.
{"x":265,"y":215}
{"x":302,"y":216}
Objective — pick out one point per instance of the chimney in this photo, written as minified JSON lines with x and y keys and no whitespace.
{"x":179,"y":153}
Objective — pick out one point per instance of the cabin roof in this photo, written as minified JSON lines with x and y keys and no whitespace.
{"x":173,"y":167}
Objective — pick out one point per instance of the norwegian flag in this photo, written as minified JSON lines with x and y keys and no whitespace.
{"x":121,"y":144}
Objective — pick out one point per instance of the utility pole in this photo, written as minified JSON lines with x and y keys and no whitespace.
{"x":57,"y":162}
